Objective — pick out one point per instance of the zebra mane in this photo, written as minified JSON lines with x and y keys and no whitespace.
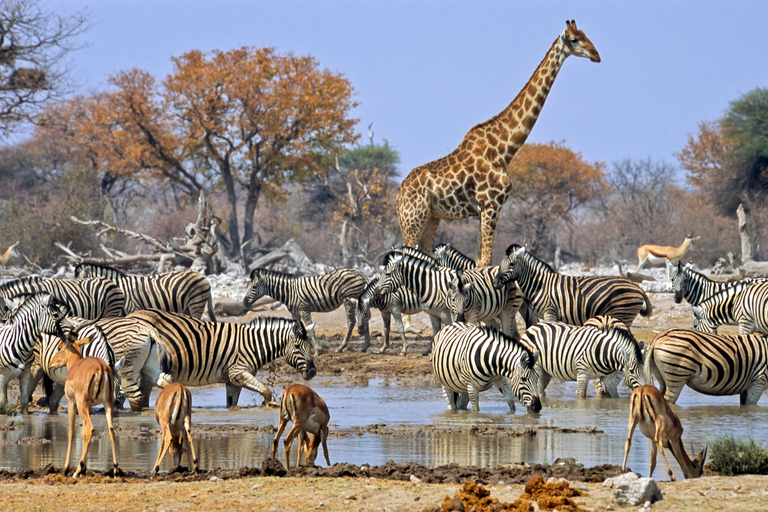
{"x":428,"y":263}
{"x":532,"y":260}
{"x":30,"y":302}
{"x":445,"y":254}
{"x":273,"y":322}
{"x":416,"y":253}
{"x":98,"y":269}
{"x":496,"y":334}
{"x":723,"y":295}
{"x":22,"y":283}
{"x":370,"y":290}
{"x":268,"y":272}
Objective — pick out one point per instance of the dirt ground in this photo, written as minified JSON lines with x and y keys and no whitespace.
{"x":391,"y":487}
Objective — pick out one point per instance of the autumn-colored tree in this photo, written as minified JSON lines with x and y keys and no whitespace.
{"x":33,"y":46}
{"x":550,"y":181}
{"x":247,"y":120}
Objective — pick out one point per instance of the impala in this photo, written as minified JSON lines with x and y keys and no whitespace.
{"x":660,"y":424}
{"x":308,"y":412}
{"x":173,"y":411}
{"x":659,"y":255}
{"x":89,"y":381}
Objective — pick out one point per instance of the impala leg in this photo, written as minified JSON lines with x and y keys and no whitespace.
{"x":85,"y":435}
{"x":165,"y":443}
{"x":108,"y":411}
{"x":324,"y":434}
{"x":188,"y":430}
{"x":292,"y":434}
{"x":71,"y":437}
{"x":628,"y":444}
{"x":658,"y":443}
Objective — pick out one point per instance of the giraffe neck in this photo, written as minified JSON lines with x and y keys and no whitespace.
{"x":509,"y":129}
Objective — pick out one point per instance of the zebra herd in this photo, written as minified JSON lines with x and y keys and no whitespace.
{"x":149,"y":331}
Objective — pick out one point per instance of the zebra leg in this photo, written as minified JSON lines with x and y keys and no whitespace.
{"x":243,"y":378}
{"x":544,"y":379}
{"x":54,"y":399}
{"x":450,"y":398}
{"x":474,"y":393}
{"x":581,"y":385}
{"x":25,"y":389}
{"x":233,"y":395}
{"x":349,"y":306}
{"x":436,"y":322}
{"x":752,"y":394}
{"x":5,"y":378}
{"x":462,"y":400}
{"x":501,"y":382}
{"x":386,"y":319}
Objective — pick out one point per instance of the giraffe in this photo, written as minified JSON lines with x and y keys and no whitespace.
{"x":472,"y":181}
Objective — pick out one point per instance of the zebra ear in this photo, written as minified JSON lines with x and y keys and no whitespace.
{"x":254,"y":273}
{"x":536,"y":355}
{"x":697,"y":312}
{"x":624,"y":354}
{"x":119,"y":365}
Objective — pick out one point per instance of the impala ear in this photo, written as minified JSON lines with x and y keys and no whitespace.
{"x":82,"y":342}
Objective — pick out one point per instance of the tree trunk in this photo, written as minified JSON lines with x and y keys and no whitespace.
{"x":747,"y":251}
{"x":344,"y":242}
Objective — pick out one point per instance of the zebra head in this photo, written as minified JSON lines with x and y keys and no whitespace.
{"x":509,"y":269}
{"x":298,"y":351}
{"x":256,"y":289}
{"x":701,"y":320}
{"x":53,"y":317}
{"x":392,"y":276}
{"x":457,"y":297}
{"x":363,"y":309}
{"x":679,"y":282}
{"x":524,"y":383}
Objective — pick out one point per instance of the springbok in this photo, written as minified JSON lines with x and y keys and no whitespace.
{"x":660,"y":424}
{"x":89,"y":381}
{"x":308,"y":412}
{"x":7,"y":255}
{"x":173,"y":411}
{"x":659,"y":255}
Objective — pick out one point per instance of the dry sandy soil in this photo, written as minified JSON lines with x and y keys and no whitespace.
{"x":391,"y":487}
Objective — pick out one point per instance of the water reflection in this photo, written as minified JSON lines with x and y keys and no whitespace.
{"x":393,"y":403}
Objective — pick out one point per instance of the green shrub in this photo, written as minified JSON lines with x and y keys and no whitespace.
{"x":730,"y":456}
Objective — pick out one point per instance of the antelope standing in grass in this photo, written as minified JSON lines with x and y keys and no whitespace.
{"x":173,"y":411}
{"x":89,"y":381}
{"x":309,"y":414}
{"x":660,"y":255}
{"x":660,"y":424}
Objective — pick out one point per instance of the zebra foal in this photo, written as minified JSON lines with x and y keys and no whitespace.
{"x":468,"y":359}
{"x":197,"y":353}
{"x":712,"y":364}
{"x":186,"y":292}
{"x":305,"y":295}
{"x":568,"y":299}
{"x":742,"y":304}
{"x":596,"y":350}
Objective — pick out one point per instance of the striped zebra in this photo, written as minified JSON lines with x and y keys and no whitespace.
{"x":449,"y":257}
{"x":722,"y":308}
{"x":596,"y":350}
{"x":185,"y":292}
{"x":469,"y":359}
{"x":568,"y":299}
{"x":695,"y":287}
{"x":401,"y":301}
{"x":194,"y":352}
{"x":425,"y":279}
{"x":472,"y":298}
{"x":41,"y":313}
{"x":87,"y":298}
{"x":305,"y":295}
{"x":54,"y":378}
{"x":712,"y":364}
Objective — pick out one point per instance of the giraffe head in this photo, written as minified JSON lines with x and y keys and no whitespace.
{"x":576,"y":43}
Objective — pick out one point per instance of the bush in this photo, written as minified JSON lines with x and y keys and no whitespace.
{"x":729,"y":456}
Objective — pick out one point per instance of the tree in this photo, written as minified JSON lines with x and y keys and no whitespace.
{"x":33,"y":47}
{"x":355,"y":196}
{"x":248,"y":120}
{"x":549,"y":183}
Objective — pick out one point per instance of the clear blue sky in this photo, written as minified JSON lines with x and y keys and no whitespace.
{"x":425,"y":72}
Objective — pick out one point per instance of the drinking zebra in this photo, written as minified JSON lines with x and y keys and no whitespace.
{"x":304,"y":295}
{"x":41,"y":313}
{"x":469,"y":359}
{"x":185,"y":292}
{"x":712,"y":364}
{"x":425,"y":279}
{"x":596,"y":350}
{"x":86,"y":298}
{"x":197,"y":353}
{"x":572,"y":300}
{"x":401,"y":301}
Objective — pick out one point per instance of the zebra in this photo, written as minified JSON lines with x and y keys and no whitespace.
{"x":40,"y":313}
{"x":712,"y":364}
{"x":185,"y":292}
{"x":743,"y":304}
{"x":54,"y":379}
{"x":473,"y":298}
{"x":87,"y":298}
{"x":695,"y":287}
{"x":304,"y":295}
{"x":401,"y":301}
{"x":194,"y":352}
{"x":424,"y":278}
{"x":720,"y":309}
{"x":449,"y":257}
{"x":596,"y":350}
{"x":568,"y":299}
{"x":468,"y":359}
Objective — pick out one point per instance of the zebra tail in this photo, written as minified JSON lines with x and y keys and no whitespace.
{"x":211,"y":315}
{"x":648,"y":309}
{"x":651,"y":370}
{"x":177,"y":401}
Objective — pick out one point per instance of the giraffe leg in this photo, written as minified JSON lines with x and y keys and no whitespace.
{"x":428,"y":235}
{"x":488,"y":218}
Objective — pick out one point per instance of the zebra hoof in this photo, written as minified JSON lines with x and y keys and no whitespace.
{"x":427,"y":351}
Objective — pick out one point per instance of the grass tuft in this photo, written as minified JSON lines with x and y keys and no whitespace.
{"x":730,"y":456}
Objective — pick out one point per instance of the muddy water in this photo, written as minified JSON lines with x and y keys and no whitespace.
{"x":41,"y":438}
